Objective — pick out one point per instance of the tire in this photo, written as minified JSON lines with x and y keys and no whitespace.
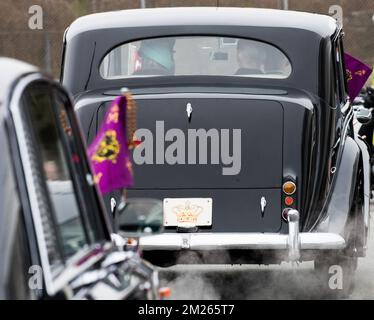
{"x":335,"y":276}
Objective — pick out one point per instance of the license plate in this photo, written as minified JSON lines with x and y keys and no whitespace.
{"x":187,"y":212}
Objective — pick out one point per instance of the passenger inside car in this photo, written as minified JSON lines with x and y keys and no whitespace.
{"x":156,"y":57}
{"x":249,"y":58}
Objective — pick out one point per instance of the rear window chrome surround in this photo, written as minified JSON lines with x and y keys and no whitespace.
{"x":272,"y":49}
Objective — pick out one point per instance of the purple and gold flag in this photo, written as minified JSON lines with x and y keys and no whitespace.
{"x":109,"y":152}
{"x":357,"y":74}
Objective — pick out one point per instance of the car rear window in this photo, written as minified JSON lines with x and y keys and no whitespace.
{"x":195,"y":55}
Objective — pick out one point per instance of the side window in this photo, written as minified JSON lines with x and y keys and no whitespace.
{"x":334,"y":83}
{"x":341,"y":86}
{"x":343,"y":71}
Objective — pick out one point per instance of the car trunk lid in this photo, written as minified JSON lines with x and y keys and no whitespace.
{"x":253,"y":172}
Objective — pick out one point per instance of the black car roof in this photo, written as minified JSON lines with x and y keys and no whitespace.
{"x":11,"y":69}
{"x":320,"y":24}
{"x":301,"y":36}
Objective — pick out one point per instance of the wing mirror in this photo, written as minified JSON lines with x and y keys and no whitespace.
{"x":137,"y":217}
{"x":363,"y":115}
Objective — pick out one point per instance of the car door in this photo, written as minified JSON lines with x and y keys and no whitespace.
{"x":15,"y":259}
{"x":66,"y":227}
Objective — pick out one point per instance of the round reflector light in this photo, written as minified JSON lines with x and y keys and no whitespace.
{"x":285,"y":214}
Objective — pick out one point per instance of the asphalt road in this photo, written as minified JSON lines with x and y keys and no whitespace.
{"x":283,"y":281}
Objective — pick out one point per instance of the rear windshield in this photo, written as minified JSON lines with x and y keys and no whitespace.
{"x":195,"y":55}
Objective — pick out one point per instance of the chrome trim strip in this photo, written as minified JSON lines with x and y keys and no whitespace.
{"x":346,"y":107}
{"x":250,"y":241}
{"x":82,"y":102}
{"x":32,"y":192}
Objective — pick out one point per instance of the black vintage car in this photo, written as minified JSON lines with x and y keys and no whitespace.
{"x":246,"y":130}
{"x":56,"y":239}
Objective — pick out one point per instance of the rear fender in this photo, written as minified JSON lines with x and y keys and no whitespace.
{"x":343,"y":192}
{"x":366,"y":177}
{"x":363,"y":222}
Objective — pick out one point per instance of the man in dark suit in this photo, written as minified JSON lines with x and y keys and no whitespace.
{"x":249,"y":58}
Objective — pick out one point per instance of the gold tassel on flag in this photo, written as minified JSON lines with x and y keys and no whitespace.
{"x":130,"y":119}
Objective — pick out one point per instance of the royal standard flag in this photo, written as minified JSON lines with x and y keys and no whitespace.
{"x":109,"y":152}
{"x":357,"y":75}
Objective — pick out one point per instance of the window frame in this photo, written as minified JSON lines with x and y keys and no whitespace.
{"x":84,"y":258}
{"x":340,"y":73}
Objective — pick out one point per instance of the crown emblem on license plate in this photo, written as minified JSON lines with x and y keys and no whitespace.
{"x":187,"y":213}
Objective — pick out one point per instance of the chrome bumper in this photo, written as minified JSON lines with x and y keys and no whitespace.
{"x":293,"y":241}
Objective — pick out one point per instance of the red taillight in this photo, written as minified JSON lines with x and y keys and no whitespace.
{"x":288,"y":201}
